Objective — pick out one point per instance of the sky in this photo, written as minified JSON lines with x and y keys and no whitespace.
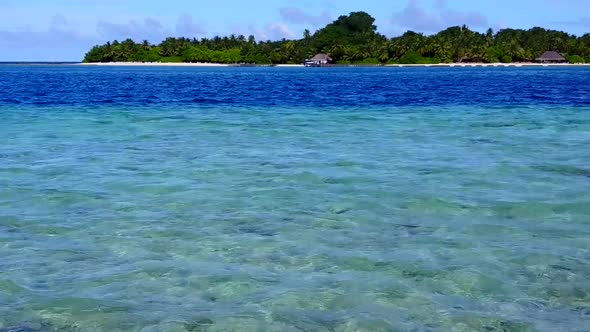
{"x":64,"y":30}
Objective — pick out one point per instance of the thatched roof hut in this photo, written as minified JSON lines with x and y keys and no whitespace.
{"x":318,"y":60}
{"x":322,"y":57}
{"x":551,"y":57}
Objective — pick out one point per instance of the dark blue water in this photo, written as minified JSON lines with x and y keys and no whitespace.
{"x":294,"y":87}
{"x":292,"y":199}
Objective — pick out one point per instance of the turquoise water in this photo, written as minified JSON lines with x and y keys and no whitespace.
{"x":280,"y":218}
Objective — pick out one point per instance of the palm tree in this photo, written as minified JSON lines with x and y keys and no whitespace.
{"x":442,"y":48}
{"x":287,"y":50}
{"x":336,"y":51}
{"x":427,"y":48}
{"x":383,"y":53}
{"x":251,"y":40}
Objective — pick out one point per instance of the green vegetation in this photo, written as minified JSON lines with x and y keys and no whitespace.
{"x":575,"y":59}
{"x":353,"y":39}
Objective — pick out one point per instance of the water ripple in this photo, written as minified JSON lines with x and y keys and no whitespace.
{"x":324,"y":212}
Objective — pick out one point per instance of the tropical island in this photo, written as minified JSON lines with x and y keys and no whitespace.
{"x":353,"y":39}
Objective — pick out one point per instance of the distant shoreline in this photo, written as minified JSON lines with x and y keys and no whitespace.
{"x":38,"y":63}
{"x":445,"y":65}
{"x":478,"y":64}
{"x":204,"y":64}
{"x":158,"y":64}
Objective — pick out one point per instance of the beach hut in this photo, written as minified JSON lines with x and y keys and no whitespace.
{"x":551,"y":57}
{"x":318,"y":60}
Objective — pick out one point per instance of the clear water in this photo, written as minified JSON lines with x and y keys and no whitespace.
{"x":162,"y":199}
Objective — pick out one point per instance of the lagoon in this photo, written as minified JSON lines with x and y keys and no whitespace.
{"x":290,"y":199}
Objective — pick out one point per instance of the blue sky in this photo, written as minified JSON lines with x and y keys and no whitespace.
{"x":56,"y":30}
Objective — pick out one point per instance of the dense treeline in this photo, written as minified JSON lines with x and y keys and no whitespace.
{"x":354,"y":39}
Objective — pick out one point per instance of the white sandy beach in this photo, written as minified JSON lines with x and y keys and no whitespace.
{"x":207,"y":64}
{"x":156,"y":64}
{"x":515,"y":64}
{"x":178,"y":64}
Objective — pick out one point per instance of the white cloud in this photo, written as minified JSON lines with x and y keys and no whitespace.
{"x":298,"y":16}
{"x":186,"y":27}
{"x":581,"y":22}
{"x":415,"y":17}
{"x":271,"y":31}
{"x":58,"y":34}
{"x":149,"y":28}
{"x":62,"y":38}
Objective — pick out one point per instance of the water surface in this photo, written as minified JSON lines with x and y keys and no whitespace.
{"x":279,"y":199}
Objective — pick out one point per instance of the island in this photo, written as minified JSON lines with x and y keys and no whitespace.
{"x":353,"y":39}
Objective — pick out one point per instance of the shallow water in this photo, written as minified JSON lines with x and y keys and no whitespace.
{"x":285,"y":211}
